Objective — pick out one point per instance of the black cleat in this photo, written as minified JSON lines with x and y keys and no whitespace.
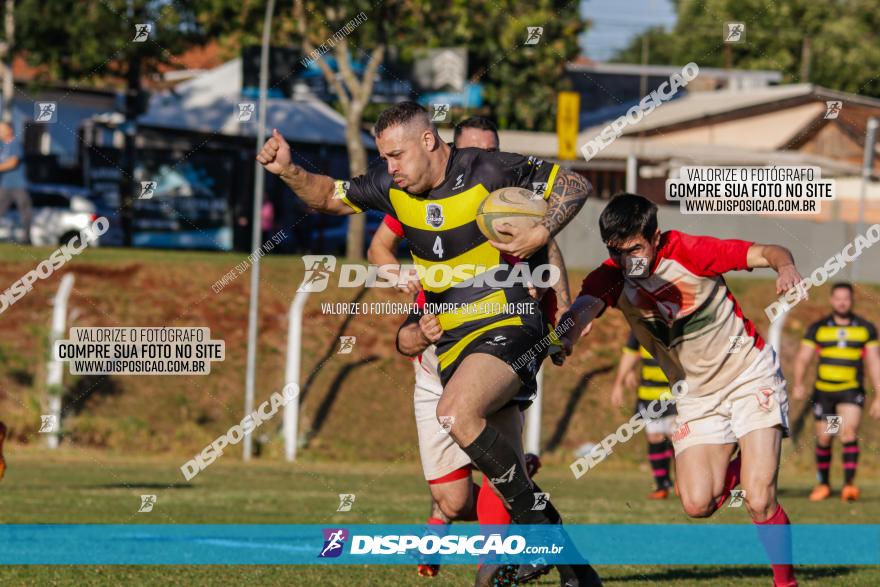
{"x":528,"y":573}
{"x":496,"y":576}
{"x":578,"y":576}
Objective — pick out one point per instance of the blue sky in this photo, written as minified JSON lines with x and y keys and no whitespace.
{"x":615,"y":22}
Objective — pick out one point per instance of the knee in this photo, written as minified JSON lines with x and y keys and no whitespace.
{"x":698,"y":507}
{"x":454,"y":507}
{"x":848,"y":436}
{"x":761,"y":504}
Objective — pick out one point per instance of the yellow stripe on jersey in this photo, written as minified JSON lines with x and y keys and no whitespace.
{"x":626,"y":349}
{"x":651,"y":373}
{"x":465,"y":265}
{"x":652,"y":393}
{"x":485,"y":307}
{"x":842,"y":386}
{"x":845,"y":353}
{"x":455,"y":350}
{"x":458,"y":210}
{"x":340,"y":193}
{"x":551,"y":180}
{"x":851,"y":334}
{"x":809,"y":343}
{"x":834,"y":374}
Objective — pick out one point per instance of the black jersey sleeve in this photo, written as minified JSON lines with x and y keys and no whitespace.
{"x":367,"y":192}
{"x":498,"y":169}
{"x":810,"y":335}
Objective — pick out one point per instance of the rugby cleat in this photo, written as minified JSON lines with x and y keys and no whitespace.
{"x":659,"y":494}
{"x":850,"y":493}
{"x":528,"y":573}
{"x":578,"y":576}
{"x":496,"y":576}
{"x":820,"y":492}
{"x":426,"y":570}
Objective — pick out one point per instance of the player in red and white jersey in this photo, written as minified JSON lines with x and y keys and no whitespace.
{"x":671,"y":289}
{"x":446,"y":467}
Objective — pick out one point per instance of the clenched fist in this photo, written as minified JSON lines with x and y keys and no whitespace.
{"x":275,"y":155}
{"x":430,"y":327}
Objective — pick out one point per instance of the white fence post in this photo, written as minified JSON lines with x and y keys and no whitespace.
{"x":55,"y":368}
{"x":533,"y":418}
{"x":291,"y":372}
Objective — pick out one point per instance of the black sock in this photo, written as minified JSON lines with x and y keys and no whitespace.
{"x":823,"y":462}
{"x":659,"y":453}
{"x":850,"y":461}
{"x":496,"y":458}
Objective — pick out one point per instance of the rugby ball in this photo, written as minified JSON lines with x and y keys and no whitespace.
{"x":507,"y":210}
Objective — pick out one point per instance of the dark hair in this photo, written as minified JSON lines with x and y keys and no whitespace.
{"x":479,"y":122}
{"x":626,"y":216}
{"x":842,"y":285}
{"x":400,"y":113}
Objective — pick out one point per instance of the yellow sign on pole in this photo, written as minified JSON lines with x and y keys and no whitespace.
{"x":568,"y":107}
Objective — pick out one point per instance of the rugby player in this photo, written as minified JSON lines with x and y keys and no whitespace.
{"x":446,"y":467}
{"x":652,"y":385}
{"x":846,"y":344}
{"x":671,"y":290}
{"x":434,"y":190}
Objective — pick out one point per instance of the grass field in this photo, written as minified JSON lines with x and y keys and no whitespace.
{"x":89,"y":486}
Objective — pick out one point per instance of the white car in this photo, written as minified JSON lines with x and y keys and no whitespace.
{"x":60,"y":212}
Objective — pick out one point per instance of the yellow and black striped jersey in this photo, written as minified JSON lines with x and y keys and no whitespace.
{"x":441,"y":229}
{"x":841,"y":350}
{"x":653,"y":383}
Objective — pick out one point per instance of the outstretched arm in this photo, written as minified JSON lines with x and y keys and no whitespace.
{"x":315,"y":190}
{"x":780,"y":260}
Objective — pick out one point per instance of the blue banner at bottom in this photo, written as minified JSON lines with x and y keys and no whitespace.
{"x":632,"y":544}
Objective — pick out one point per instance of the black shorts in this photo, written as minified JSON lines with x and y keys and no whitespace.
{"x":642,"y":406}
{"x":825,"y":402}
{"x":522,"y":347}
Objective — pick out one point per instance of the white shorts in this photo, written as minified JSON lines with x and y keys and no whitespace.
{"x":664,"y":425}
{"x":754,"y":400}
{"x":439,"y":453}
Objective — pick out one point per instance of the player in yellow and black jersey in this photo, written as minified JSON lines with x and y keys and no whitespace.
{"x":845,"y":344}
{"x":652,"y":385}
{"x":486,"y":358}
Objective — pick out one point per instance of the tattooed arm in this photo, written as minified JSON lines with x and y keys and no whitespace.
{"x":570,"y":191}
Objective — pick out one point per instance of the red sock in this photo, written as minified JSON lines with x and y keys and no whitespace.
{"x":490,"y":507}
{"x":731,"y":480}
{"x":436,"y":521}
{"x":783,"y":574}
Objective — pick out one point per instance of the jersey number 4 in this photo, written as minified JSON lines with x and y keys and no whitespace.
{"x":438,"y":248}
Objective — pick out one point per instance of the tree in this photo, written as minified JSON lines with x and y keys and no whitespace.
{"x":832,"y":44}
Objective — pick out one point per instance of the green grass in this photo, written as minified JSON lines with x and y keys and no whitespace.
{"x":89,"y":486}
